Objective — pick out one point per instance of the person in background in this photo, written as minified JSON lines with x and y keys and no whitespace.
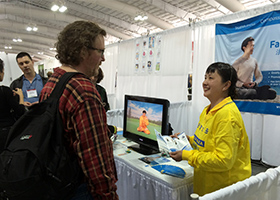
{"x":80,"y":48}
{"x":101,"y":90}
{"x":10,"y":108}
{"x":30,"y":82}
{"x":247,"y":67}
{"x":49,"y":74}
{"x":221,"y":150}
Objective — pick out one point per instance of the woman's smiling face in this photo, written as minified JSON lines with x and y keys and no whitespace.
{"x":213,"y":86}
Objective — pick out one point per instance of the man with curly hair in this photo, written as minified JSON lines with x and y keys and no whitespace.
{"x":80,"y":48}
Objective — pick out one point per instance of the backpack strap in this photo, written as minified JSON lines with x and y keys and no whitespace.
{"x":60,"y":86}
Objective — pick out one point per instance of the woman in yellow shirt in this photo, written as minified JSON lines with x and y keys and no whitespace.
{"x":221,"y":150}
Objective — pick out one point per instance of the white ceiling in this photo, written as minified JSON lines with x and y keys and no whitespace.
{"x":115,"y":16}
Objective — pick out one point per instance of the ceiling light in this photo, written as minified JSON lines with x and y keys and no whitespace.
{"x":40,"y":53}
{"x":62,"y":8}
{"x":59,"y":6}
{"x":29,"y":28}
{"x":17,"y":40}
{"x":55,"y":7}
{"x":32,"y":27}
{"x":140,"y":16}
{"x":8,"y":47}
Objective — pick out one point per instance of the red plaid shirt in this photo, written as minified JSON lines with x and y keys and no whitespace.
{"x":85,"y":125}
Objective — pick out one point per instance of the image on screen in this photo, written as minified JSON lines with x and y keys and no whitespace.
{"x":144,"y":118}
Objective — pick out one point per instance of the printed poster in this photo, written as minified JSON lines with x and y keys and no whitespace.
{"x":147,"y":55}
{"x":265,"y":30}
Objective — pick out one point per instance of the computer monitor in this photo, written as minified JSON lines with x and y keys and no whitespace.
{"x":143,"y":118}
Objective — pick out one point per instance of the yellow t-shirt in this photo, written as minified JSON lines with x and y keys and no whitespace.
{"x":221,"y":154}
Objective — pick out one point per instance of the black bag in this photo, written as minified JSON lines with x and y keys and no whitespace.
{"x":35,"y":163}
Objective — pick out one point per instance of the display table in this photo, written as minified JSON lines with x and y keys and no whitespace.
{"x":139,"y":181}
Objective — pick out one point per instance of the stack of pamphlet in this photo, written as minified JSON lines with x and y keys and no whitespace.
{"x":168,"y":144}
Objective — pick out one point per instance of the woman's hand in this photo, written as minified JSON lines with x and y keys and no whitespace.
{"x":18,"y":91}
{"x":177,"y":155}
{"x":176,"y":136}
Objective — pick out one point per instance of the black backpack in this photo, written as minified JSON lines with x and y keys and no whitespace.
{"x":35,"y":163}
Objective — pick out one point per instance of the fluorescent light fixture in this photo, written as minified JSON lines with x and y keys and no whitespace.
{"x":29,"y":28}
{"x":137,"y":18}
{"x":55,"y":7}
{"x":35,"y":28}
{"x":140,"y":16}
{"x":145,"y":17}
{"x":8,"y":47}
{"x":62,"y":8}
{"x":59,"y":6}
{"x":17,"y":40}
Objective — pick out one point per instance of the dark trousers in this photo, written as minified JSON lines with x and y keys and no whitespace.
{"x":82,"y":193}
{"x":263,"y":93}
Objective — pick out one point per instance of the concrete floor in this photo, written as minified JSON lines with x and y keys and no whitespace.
{"x":258,"y":166}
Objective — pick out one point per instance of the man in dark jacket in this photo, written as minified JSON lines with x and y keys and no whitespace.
{"x":30,"y":82}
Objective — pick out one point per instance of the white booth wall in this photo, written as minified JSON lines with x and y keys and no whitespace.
{"x":11,"y":68}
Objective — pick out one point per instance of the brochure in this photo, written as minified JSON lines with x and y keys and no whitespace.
{"x":168,"y":144}
{"x":154,"y":159}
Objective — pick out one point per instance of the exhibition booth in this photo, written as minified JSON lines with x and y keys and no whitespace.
{"x":158,"y":66}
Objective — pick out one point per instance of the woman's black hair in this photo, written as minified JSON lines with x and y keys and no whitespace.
{"x":228,"y":73}
{"x":100,"y":75}
{"x":1,"y":65}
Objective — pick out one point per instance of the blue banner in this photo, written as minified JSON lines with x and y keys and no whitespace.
{"x":229,"y":47}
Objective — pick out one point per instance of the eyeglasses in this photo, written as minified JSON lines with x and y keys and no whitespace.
{"x":99,"y":50}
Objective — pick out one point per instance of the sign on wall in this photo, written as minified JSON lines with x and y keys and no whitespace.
{"x":265,"y":31}
{"x":147,"y":54}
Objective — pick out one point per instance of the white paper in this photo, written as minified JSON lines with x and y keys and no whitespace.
{"x":168,"y":144}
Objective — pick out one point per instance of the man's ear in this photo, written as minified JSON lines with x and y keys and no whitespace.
{"x":84,"y":53}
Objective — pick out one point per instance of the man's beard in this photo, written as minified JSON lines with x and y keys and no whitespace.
{"x":95,"y":72}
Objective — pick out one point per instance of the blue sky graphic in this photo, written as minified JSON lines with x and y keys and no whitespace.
{"x":154,"y":111}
